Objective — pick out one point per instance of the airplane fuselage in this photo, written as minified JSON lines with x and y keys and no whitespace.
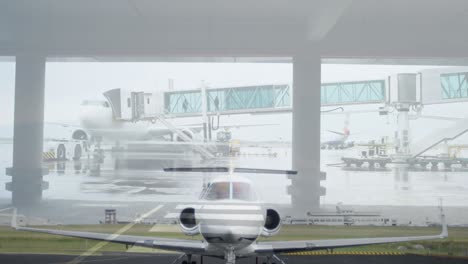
{"x":98,"y":120}
{"x":231,"y":226}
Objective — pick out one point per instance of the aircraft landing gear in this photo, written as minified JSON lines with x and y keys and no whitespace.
{"x":189,"y":260}
{"x":230,"y":257}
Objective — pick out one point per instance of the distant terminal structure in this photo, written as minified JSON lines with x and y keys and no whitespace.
{"x":344,"y":215}
{"x":110,"y":216}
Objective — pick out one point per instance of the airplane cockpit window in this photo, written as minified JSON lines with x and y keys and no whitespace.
{"x":242,"y":191}
{"x":218,"y":191}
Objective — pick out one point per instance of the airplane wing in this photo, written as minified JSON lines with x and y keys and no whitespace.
{"x":227,"y":169}
{"x":181,"y":245}
{"x":200,"y":125}
{"x":63,"y":124}
{"x":336,"y":132}
{"x":292,"y":246}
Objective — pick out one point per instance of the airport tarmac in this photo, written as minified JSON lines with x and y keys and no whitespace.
{"x":410,"y":197}
{"x":146,"y":258}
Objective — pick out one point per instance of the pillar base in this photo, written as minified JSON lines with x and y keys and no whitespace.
{"x":305,"y":193}
{"x":26,"y":185}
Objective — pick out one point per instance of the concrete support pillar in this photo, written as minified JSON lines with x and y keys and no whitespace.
{"x":305,"y":190}
{"x":27,"y":171}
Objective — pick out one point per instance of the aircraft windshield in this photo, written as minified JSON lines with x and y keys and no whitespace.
{"x":242,"y":191}
{"x":227,"y":190}
{"x":218,"y":191}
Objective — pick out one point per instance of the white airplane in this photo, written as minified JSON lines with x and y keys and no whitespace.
{"x":230,"y":218}
{"x":97,"y":120}
{"x":336,"y":139}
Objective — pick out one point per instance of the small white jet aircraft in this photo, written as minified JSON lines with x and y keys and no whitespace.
{"x":230,"y":218}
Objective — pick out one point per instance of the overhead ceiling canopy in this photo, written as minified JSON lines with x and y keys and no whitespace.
{"x":142,"y":29}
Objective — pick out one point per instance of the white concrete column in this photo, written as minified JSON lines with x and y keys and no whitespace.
{"x":27,"y":169}
{"x":305,"y":190}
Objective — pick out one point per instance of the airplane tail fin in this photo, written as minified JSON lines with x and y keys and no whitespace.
{"x":346,"y":131}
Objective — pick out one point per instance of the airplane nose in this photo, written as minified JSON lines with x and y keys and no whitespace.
{"x":238,"y":234}
{"x":230,"y":236}
{"x":86,"y":116}
{"x":95,"y":117}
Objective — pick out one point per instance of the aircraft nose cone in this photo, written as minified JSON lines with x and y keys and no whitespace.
{"x":228,"y":234}
{"x":235,"y":235}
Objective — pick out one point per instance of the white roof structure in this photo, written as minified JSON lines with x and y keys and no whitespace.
{"x":138,"y":30}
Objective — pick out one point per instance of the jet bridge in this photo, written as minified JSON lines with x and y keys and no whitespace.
{"x":128,"y":106}
{"x":267,"y":98}
{"x":432,"y":86}
{"x":132,"y":106}
{"x":443,"y":85}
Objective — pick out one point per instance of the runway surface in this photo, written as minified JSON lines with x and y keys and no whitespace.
{"x":163,"y":259}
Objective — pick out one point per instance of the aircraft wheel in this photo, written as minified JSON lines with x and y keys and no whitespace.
{"x":184,"y":262}
{"x":77,"y":153}
{"x":61,"y":152}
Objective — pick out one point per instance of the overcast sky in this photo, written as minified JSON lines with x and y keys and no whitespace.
{"x":69,"y":83}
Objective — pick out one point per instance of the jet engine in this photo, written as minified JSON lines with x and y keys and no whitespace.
{"x":80,"y":134}
{"x":188,"y":222}
{"x":272,"y":223}
{"x":185,"y":131}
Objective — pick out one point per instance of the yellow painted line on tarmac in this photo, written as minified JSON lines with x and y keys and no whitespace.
{"x":122,"y":230}
{"x":137,"y":249}
{"x":362,"y":253}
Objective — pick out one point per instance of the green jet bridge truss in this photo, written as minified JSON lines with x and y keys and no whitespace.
{"x":454,"y":85}
{"x":268,"y":98}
